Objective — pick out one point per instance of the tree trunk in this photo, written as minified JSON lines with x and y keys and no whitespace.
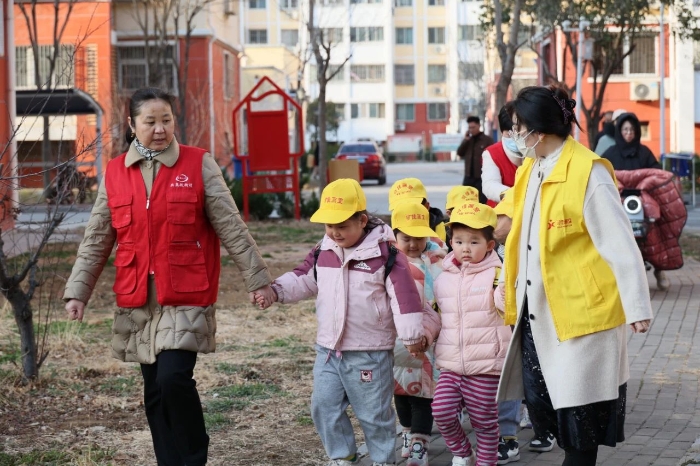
{"x":502,"y":88}
{"x":46,"y":154}
{"x":22,"y":311}
{"x":322,"y":146}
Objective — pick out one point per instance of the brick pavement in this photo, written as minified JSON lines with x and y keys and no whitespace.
{"x":662,"y":404}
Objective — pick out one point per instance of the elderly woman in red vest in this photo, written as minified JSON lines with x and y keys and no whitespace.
{"x":166,"y":206}
{"x":574,"y":279}
{"x":500,"y":160}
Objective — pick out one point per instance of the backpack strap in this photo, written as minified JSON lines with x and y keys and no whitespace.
{"x":317,"y":252}
{"x":390,"y":261}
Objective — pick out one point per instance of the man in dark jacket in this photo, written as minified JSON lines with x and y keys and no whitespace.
{"x":471,"y":150}
{"x":629,"y":153}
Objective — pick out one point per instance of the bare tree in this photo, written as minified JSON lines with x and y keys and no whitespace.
{"x":162,"y":23}
{"x":321,"y":47}
{"x":615,"y":26}
{"x":46,"y":60}
{"x":497,"y":15}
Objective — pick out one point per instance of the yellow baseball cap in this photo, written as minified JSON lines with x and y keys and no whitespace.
{"x":412,"y":219}
{"x":340,"y":200}
{"x":406,"y":189}
{"x":461,"y":194}
{"x":474,"y":215}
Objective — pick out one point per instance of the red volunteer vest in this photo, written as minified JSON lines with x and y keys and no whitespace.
{"x":168,"y":235}
{"x":506,"y":167}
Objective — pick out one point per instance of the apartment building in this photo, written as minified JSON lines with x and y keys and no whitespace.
{"x":83,"y":62}
{"x":211,"y":70}
{"x":408,"y":66}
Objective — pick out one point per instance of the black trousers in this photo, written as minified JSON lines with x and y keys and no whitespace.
{"x":476,"y":183}
{"x":415,"y":412}
{"x":173,"y":409}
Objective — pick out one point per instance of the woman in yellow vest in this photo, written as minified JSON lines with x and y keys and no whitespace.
{"x":574,"y":279}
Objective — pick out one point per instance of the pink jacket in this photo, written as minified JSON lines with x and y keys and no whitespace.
{"x":473,"y":339}
{"x":356,"y":309}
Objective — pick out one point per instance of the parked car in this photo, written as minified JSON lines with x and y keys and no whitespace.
{"x":368,"y":155}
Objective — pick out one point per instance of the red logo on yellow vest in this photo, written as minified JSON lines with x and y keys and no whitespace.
{"x":562,"y":223}
{"x":181,"y":181}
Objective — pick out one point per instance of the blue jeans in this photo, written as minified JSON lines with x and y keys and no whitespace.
{"x":365,"y":381}
{"x":509,"y":418}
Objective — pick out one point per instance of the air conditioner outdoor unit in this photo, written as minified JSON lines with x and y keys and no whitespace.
{"x":644,"y":90}
{"x":439,"y":49}
{"x":400,"y":126}
{"x":295,"y":14}
{"x":437,"y":91}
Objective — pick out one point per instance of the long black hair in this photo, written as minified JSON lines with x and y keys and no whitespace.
{"x":547,"y":110}
{"x":137,"y":100}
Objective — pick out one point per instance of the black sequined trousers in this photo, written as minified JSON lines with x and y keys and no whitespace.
{"x":579,"y":427}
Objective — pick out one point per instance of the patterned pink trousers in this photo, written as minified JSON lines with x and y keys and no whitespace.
{"x":478,"y":394}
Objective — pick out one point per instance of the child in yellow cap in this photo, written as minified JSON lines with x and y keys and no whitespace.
{"x":413,"y":376}
{"x":457,"y":196}
{"x":360,"y":309}
{"x":472,"y":345}
{"x":412,"y":190}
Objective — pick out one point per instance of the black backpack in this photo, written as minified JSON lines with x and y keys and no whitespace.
{"x":387,"y":267}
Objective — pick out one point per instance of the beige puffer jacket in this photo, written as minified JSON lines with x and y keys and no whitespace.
{"x":139,"y":334}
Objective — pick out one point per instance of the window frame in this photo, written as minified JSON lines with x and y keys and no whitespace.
{"x":404,"y":31}
{"x":404,"y":68}
{"x":435,"y":31}
{"x":413,"y":112}
{"x":442,"y":68}
{"x":249,"y":37}
{"x":443,"y":105}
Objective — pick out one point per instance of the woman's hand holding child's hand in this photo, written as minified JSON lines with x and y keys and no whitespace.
{"x":263,"y":297}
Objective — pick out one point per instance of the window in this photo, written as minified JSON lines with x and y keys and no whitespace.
{"x":404,"y":35}
{"x":288,"y":4}
{"x":471,"y":71}
{"x":229,"y":88}
{"x":470,"y":32}
{"x":404,"y":74}
{"x":436,"y":35}
{"x":339,"y":110}
{"x":365,"y":1}
{"x":136,"y":72}
{"x":230,"y":7}
{"x":257,"y":36}
{"x":399,"y":3}
{"x":437,"y":112}
{"x":436,"y":2}
{"x":373,"y":110}
{"x":367,"y":73}
{"x":290,"y":37}
{"x":405,"y":112}
{"x":366,"y":34}
{"x":642,"y":60}
{"x":256,"y":4}
{"x":63,"y":75}
{"x":332,"y":35}
{"x":437,"y":73}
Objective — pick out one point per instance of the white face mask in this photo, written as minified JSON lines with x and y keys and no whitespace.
{"x":522,"y":145}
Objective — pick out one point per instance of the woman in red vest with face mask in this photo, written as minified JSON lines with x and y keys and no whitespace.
{"x":166,"y":207}
{"x":500,"y":160}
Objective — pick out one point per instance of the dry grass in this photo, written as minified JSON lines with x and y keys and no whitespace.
{"x":86,"y":409}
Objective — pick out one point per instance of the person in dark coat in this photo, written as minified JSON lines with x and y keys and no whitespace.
{"x":629,"y":153}
{"x":471,"y":151}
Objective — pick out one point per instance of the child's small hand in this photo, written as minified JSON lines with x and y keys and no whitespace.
{"x":264,"y":297}
{"x":417,"y":348}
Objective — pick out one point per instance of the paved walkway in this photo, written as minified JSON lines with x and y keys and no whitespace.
{"x":663,"y":400}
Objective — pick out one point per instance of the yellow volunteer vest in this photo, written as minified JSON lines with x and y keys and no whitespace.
{"x":580,"y":286}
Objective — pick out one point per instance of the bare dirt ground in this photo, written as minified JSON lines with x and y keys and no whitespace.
{"x":86,"y":408}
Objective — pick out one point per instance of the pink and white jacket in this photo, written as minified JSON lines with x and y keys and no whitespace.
{"x":473,"y":339}
{"x":356,"y":309}
{"x":416,"y":376}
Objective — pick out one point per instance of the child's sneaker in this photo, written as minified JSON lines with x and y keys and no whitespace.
{"x":525,"y":422}
{"x":508,"y":450}
{"x":344,"y":462}
{"x":405,"y":444}
{"x":383,"y":464}
{"x":543,"y":443}
{"x":460,"y":461}
{"x":419,"y":451}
